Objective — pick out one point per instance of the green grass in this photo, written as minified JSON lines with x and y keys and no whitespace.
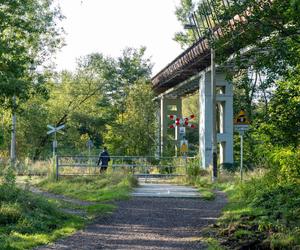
{"x":212,"y":243}
{"x":199,"y":179}
{"x":88,"y":211}
{"x":206,"y":193}
{"x":27,"y":221}
{"x":261,"y":213}
{"x":107,"y":187}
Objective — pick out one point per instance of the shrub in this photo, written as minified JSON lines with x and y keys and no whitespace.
{"x":193,"y":168}
{"x":10,"y":213}
{"x":287,"y":163}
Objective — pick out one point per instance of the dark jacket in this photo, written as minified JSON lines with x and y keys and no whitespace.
{"x":104,"y":158}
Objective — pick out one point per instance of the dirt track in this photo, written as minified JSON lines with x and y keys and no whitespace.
{"x":148,"y":223}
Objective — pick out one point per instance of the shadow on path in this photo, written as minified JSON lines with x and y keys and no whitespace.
{"x":148,"y":223}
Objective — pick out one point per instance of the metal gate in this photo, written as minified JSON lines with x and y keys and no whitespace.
{"x":140,"y":166}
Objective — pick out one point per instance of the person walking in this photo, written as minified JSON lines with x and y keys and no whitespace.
{"x":104,"y":159}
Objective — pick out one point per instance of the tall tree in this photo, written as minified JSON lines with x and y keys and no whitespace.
{"x":134,"y":131}
{"x":283,"y":126}
{"x":130,"y":67}
{"x":183,"y":11}
{"x":28,"y":36}
{"x":265,"y":37}
{"x":92,"y":98}
{"x":79,"y":101}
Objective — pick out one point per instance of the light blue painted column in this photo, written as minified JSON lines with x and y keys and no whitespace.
{"x":225,"y":137}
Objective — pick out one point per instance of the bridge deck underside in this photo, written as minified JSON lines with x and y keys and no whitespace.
{"x":189,"y":63}
{"x":185,"y":88}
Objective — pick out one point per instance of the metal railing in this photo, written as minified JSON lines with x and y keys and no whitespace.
{"x":141,"y":166}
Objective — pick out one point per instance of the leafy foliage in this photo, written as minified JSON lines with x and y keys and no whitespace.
{"x":87,"y":101}
{"x":186,"y":37}
{"x":134,"y":131}
{"x":28,"y":37}
{"x":261,"y":215}
{"x":284,"y":114}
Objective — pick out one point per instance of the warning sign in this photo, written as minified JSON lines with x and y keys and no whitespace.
{"x":241,"y":118}
{"x":183,"y":146}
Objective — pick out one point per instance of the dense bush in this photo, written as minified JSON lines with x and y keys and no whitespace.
{"x":265,"y":209}
{"x":286,"y":163}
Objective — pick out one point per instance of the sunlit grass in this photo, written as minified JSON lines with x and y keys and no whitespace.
{"x":262,"y":211}
{"x":106,"y":187}
{"x":27,"y":221}
{"x":206,"y":193}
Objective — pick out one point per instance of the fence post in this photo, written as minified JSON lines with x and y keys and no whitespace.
{"x":56,"y":163}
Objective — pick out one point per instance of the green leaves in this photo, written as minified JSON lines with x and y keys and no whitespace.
{"x":134,"y":131}
{"x":184,"y":38}
{"x":88,"y":101}
{"x":284,"y":121}
{"x":28,"y":37}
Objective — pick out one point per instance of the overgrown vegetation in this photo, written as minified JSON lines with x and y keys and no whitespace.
{"x":106,"y":187}
{"x":109,"y":100}
{"x":260,"y":216}
{"x":27,"y":220}
{"x":263,"y":210}
{"x":198,"y":178}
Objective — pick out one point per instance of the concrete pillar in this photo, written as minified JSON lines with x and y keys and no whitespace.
{"x":225,"y":135}
{"x":205,"y":120}
{"x":168,"y":107}
{"x":158,"y":146}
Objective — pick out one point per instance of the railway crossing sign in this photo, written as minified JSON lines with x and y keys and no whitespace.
{"x":180,"y":125}
{"x":181,"y":121}
{"x":55,"y":129}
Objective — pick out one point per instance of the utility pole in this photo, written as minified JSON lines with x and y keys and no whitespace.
{"x":242,"y":142}
{"x":13,"y":134}
{"x":214,"y":117}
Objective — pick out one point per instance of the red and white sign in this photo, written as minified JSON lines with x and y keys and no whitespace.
{"x":181,"y":121}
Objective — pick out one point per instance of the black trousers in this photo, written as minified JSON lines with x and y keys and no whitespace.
{"x":103,"y":168}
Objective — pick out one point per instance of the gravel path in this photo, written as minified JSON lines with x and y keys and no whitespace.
{"x":148,"y":223}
